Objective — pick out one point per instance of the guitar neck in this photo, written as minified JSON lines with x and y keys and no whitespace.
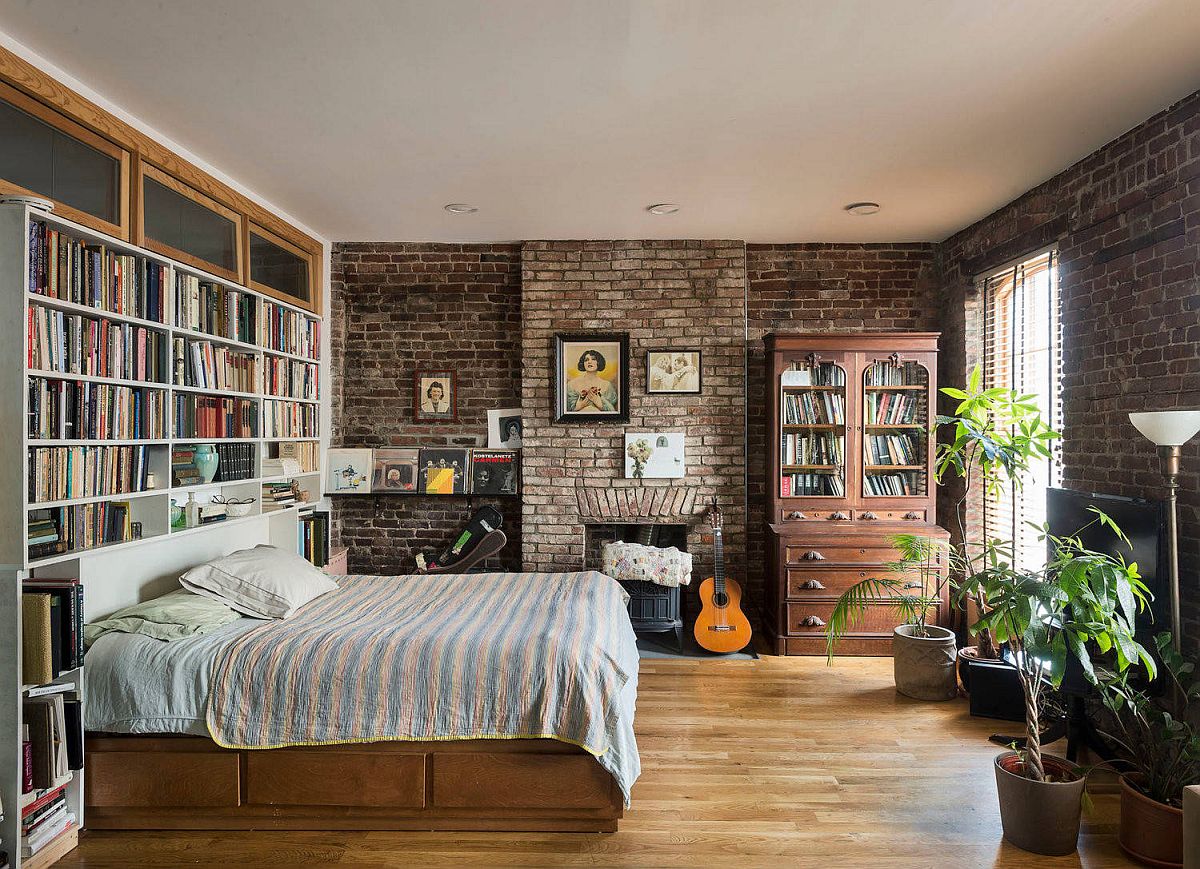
{"x":719,"y":562}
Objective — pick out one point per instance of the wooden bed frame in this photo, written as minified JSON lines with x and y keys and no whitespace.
{"x":190,"y":783}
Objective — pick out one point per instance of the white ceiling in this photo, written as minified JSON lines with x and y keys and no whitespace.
{"x":566,"y":118}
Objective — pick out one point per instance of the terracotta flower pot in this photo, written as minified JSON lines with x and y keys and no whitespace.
{"x":924,"y":666}
{"x":1151,"y":832}
{"x":1040,"y":816}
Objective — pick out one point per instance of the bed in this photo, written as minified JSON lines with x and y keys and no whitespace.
{"x":452,"y":702}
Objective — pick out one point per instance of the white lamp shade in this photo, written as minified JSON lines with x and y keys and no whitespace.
{"x":1167,"y":428}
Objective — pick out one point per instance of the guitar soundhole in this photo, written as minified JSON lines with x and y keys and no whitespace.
{"x":720,"y":599}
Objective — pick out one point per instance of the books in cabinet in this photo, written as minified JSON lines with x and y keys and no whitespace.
{"x":67,"y":343}
{"x":75,"y":410}
{"x":64,"y":473}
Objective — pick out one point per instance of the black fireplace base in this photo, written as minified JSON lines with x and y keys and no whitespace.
{"x":655,"y":609}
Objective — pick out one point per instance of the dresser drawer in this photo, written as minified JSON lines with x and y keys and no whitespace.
{"x":809,"y":618}
{"x":811,"y":553}
{"x":794,"y":514}
{"x":815,"y":582}
{"x":870,"y":515}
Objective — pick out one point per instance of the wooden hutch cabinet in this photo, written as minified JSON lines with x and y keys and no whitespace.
{"x":851,"y":465}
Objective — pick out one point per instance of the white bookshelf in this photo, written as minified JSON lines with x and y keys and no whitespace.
{"x":155,"y":558}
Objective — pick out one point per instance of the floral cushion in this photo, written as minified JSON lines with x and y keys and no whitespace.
{"x":626,"y":562}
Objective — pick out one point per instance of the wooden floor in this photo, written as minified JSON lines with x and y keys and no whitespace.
{"x":780,"y":762}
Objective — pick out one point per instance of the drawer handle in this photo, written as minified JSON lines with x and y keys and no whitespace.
{"x":912,"y":514}
{"x":812,"y":555}
{"x":812,"y":584}
{"x":812,"y":622}
{"x":868,"y":515}
{"x":838,"y":515}
{"x":796,"y":514}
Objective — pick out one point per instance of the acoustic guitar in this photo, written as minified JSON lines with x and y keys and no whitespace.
{"x":721,"y":625}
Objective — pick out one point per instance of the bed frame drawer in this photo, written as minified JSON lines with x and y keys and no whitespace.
{"x":158,"y":779}
{"x":310,"y":777}
{"x":518,"y":781}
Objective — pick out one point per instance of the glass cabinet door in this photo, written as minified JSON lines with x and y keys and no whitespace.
{"x":895,"y":420}
{"x":812,"y":416}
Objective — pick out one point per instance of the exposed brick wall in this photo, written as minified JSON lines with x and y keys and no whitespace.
{"x":397,"y":307}
{"x":822,"y":288}
{"x":663,"y":294}
{"x":1127,"y":223}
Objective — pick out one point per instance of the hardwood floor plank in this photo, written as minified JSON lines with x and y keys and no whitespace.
{"x":768,"y":763}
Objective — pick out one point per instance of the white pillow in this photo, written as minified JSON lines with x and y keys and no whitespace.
{"x":265,"y":582}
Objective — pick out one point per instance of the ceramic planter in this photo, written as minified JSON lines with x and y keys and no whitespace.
{"x":965,"y":655}
{"x":1039,"y":816}
{"x":1151,"y":832}
{"x":924,"y":666}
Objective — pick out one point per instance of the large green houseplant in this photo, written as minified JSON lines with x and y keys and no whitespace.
{"x":1159,"y":754}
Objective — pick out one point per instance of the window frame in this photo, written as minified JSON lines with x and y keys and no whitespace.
{"x":149,"y":170}
{"x":313,"y":303}
{"x":67,"y":127}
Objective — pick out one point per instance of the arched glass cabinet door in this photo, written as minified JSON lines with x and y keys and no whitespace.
{"x":812,"y":415}
{"x":895,"y":420}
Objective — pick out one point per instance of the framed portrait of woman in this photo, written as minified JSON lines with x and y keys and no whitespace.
{"x":435,"y":395}
{"x":591,"y":378}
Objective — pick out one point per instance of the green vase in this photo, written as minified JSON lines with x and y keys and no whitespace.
{"x":205,"y":460}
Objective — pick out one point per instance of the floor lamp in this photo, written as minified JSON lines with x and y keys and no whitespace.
{"x":1169,"y":430}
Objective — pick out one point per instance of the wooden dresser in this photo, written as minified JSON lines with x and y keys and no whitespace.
{"x":851,"y":466}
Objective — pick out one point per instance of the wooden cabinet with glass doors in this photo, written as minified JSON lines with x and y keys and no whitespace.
{"x":851,"y":466}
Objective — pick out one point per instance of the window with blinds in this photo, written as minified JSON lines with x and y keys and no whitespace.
{"x":1023,"y":351}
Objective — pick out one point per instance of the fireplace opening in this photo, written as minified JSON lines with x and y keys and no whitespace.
{"x":653,"y":608}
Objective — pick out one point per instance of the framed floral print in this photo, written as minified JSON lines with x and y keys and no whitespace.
{"x":591,"y":378}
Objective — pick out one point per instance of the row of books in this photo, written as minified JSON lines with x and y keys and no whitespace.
{"x":215,"y":309}
{"x":898,"y":449}
{"x":78,"y":526}
{"x":289,"y":419}
{"x":887,"y":374}
{"x":89,"y":274}
{"x":77,"y":344}
{"x":276,"y":496}
{"x":207,"y":366}
{"x":795,"y":485}
{"x":202,"y":416}
{"x":305,"y":454}
{"x":60,"y":473}
{"x":892,"y":408}
{"x":74,"y":410}
{"x":290,"y":378}
{"x":47,"y":819}
{"x":818,"y":448}
{"x":234,"y":462}
{"x":813,"y":408}
{"x":820,"y":374}
{"x":314,"y":537}
{"x":430,"y":471}
{"x":289,"y":331}
{"x":51,"y":629}
{"x":894,"y":484}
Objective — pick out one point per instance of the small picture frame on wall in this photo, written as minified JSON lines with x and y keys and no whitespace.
{"x":504,"y":428}
{"x":591,"y":378}
{"x":673,"y":372}
{"x":348,"y":472}
{"x":435,"y":395}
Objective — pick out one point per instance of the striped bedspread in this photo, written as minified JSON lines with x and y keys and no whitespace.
{"x":459,"y":656}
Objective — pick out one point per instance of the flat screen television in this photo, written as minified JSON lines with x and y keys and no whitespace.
{"x":1143,"y":522}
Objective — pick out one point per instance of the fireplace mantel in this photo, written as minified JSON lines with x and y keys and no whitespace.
{"x":636,"y":503}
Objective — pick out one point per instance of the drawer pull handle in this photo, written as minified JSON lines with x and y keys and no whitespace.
{"x":796,"y":514}
{"x":812,"y":584}
{"x":868,"y":515}
{"x":838,"y":515}
{"x":812,"y":622}
{"x":912,"y":514}
{"x":812,"y":555}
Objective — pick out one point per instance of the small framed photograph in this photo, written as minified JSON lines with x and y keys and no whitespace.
{"x":673,"y":371}
{"x":591,"y":378}
{"x":395,"y":470}
{"x":348,"y":472}
{"x":504,"y":429}
{"x":654,"y":455}
{"x":435,"y":395}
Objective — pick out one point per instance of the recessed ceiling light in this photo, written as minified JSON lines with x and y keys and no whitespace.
{"x":663,"y":208}
{"x":861,"y":208}
{"x":461,"y":208}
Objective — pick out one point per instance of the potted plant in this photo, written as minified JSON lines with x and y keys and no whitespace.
{"x":1160,"y":749}
{"x":923,"y":655}
{"x":1077,"y":598}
